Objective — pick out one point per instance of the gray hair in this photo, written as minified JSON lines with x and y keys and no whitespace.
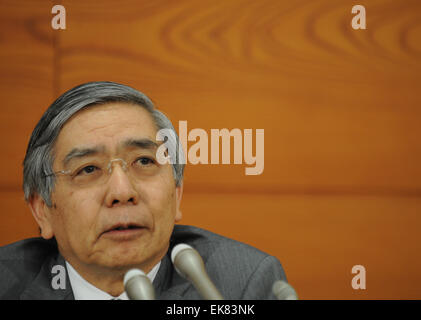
{"x":39,"y":158}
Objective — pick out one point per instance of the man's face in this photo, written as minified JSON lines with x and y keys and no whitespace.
{"x":84,"y":216}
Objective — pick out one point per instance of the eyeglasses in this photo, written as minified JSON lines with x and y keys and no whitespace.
{"x":96,"y":171}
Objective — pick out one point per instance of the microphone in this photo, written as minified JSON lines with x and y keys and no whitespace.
{"x":189,"y":264}
{"x":284,"y":291}
{"x":138,"y":286}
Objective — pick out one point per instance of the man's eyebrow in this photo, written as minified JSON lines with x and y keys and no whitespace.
{"x":81,"y":152}
{"x":140,"y":143}
{"x":84,"y":152}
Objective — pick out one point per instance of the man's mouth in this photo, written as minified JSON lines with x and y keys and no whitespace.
{"x":126,"y":228}
{"x":124,"y":231}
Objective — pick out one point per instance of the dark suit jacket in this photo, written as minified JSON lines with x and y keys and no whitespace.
{"x":239,"y":271}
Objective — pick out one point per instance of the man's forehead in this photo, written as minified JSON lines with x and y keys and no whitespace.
{"x":110,"y":126}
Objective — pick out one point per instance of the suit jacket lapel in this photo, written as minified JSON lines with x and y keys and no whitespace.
{"x":41,"y":287}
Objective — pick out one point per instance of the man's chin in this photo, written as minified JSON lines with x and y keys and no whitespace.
{"x":131,"y":254}
{"x":120,"y":263}
{"x":125,"y":259}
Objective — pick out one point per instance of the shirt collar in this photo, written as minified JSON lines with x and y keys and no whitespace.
{"x":83,"y":290}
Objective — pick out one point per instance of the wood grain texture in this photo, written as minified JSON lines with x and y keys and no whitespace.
{"x":318,"y":239}
{"x":339,"y":107}
{"x":340,"y":110}
{"x":26,"y":82}
{"x":17,"y":222}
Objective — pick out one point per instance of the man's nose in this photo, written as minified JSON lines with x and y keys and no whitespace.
{"x":120,"y":189}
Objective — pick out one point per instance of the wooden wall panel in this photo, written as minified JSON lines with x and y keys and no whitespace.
{"x":26,"y":89}
{"x":26,"y":67}
{"x":340,"y":110}
{"x":17,"y":222}
{"x":338,"y":106}
{"x":318,"y":239}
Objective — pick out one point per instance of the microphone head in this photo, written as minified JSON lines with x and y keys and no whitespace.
{"x":177,"y":249}
{"x":284,"y":291}
{"x":189,"y":264}
{"x":132,"y":273}
{"x":138,"y":286}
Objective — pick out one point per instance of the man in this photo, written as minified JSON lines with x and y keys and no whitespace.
{"x":105,"y":204}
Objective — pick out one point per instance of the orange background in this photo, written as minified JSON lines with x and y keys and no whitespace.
{"x":340,"y":109}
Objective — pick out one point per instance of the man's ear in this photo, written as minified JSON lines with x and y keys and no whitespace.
{"x":178,"y":196}
{"x":42,"y":215}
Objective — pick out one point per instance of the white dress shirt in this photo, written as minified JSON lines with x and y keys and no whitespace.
{"x":83,"y":290}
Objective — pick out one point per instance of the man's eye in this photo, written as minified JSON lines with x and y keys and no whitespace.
{"x":145,"y":161}
{"x":87,"y":170}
